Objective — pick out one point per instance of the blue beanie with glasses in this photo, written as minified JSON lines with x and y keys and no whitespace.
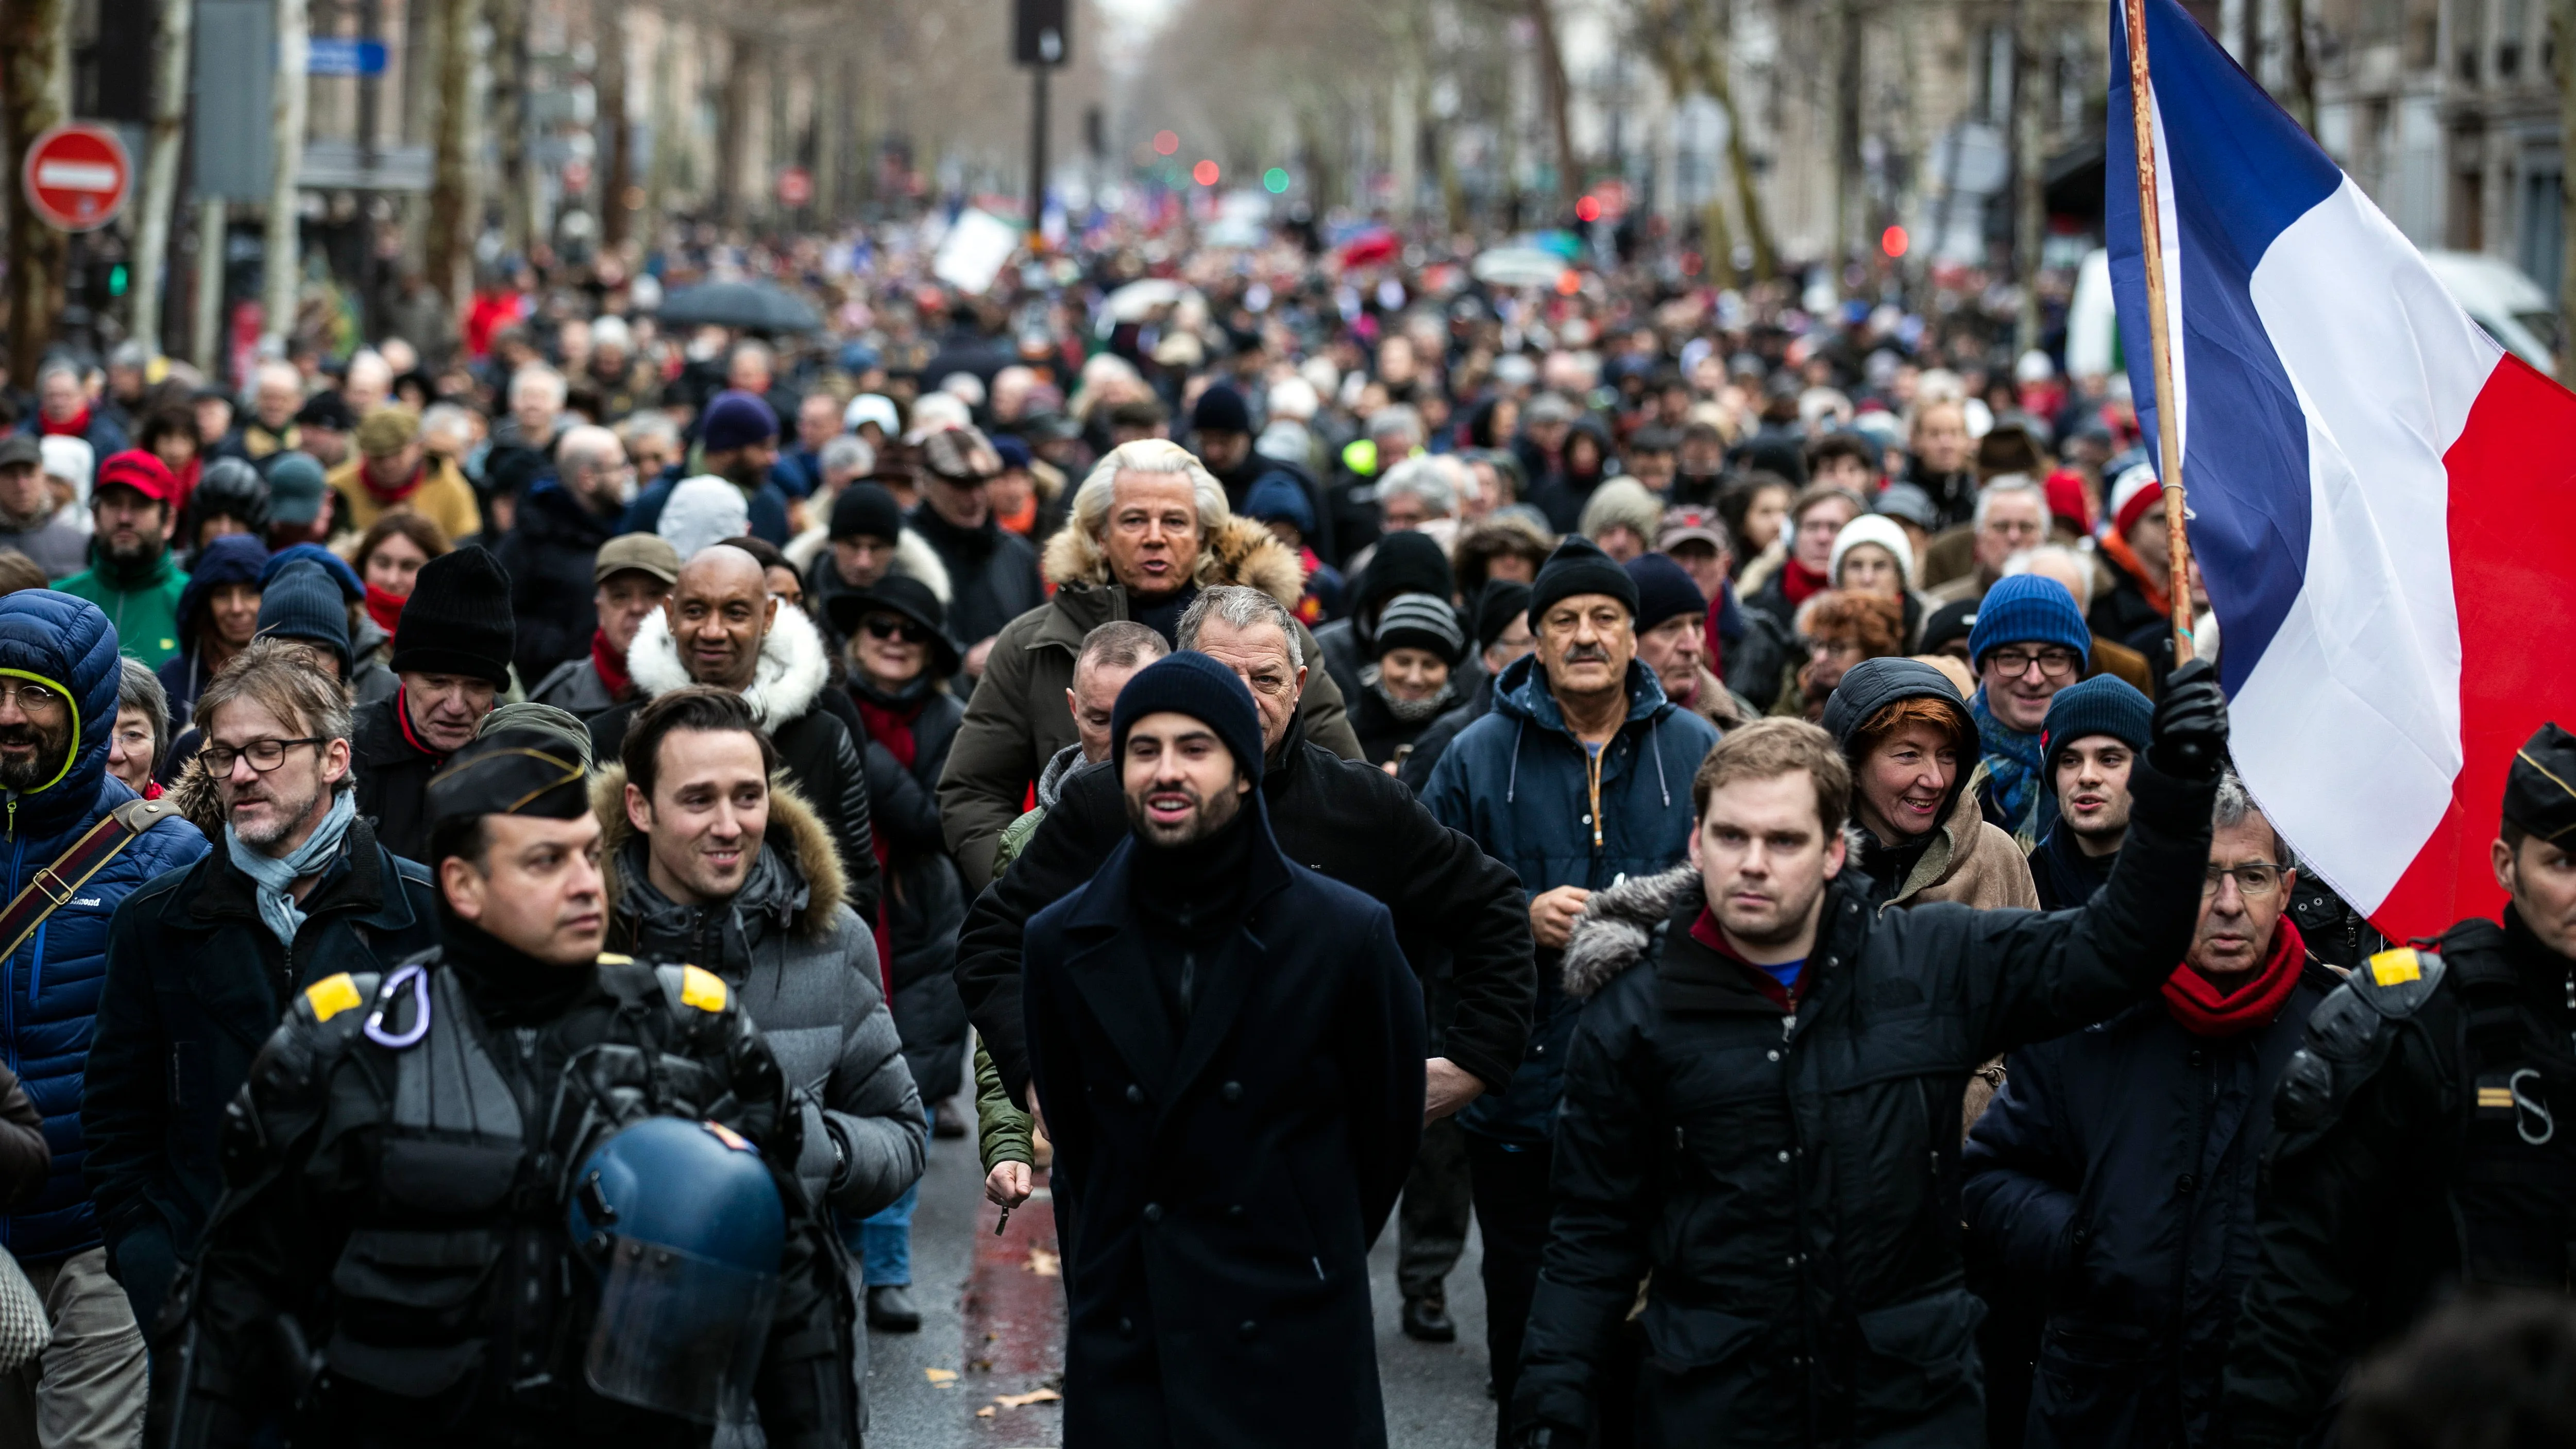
{"x":2028,"y":609}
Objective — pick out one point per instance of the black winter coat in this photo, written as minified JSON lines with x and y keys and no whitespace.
{"x":1350,"y":822}
{"x":1217,"y":1187}
{"x":1791,"y":1181}
{"x":925,"y":899}
{"x":393,"y":779}
{"x":195,"y":984}
{"x":2114,"y":1179}
{"x":992,"y":574}
{"x":548,"y":555}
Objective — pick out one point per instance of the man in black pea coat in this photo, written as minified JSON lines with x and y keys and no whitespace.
{"x":1451,"y":902}
{"x":1230,"y":1050}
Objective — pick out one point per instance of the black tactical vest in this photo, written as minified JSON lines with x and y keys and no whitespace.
{"x":2514,"y":1186}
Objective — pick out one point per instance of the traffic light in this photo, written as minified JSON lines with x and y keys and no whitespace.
{"x":1040,"y":35}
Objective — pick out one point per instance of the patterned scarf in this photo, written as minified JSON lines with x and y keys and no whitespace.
{"x":2013,"y":766}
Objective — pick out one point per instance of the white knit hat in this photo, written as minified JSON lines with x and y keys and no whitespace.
{"x":703,"y":510}
{"x":1878,"y":529}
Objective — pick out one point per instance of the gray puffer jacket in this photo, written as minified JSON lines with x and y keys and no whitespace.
{"x":806,"y":970}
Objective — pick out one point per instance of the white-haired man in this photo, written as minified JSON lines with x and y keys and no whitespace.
{"x":1150,"y":528}
{"x":2083,"y":578}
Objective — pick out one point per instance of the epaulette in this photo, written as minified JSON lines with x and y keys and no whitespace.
{"x":2346,"y":1037}
{"x":693,"y":990}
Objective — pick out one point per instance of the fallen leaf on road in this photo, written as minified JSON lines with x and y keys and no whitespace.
{"x":1045,"y":1264}
{"x":1033,"y":1396}
{"x":985,"y":1412}
{"x":940,"y":1376}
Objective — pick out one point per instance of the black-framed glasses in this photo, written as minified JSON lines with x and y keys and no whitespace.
{"x":2254,"y":879}
{"x":887,"y":626}
{"x":2053,"y":663}
{"x":264,"y":755}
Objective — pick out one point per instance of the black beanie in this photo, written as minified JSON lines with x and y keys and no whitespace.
{"x":865,"y":508}
{"x":1405,"y":563}
{"x":457,"y":620}
{"x":1664,"y":589}
{"x":1496,"y":608}
{"x":1579,"y":567}
{"x":1220,"y":409}
{"x":1195,"y":685}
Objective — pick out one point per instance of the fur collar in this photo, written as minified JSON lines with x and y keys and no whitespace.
{"x":791,"y":674}
{"x":1237,"y":551}
{"x":794,"y":829}
{"x":1618,"y":924}
{"x":915,"y":559}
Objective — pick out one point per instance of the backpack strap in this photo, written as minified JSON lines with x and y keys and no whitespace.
{"x":55,"y":884}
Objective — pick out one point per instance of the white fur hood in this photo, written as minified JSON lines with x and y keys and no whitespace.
{"x":791,"y":675}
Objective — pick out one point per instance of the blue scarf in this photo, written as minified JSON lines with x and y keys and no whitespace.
{"x":276,"y":877}
{"x":2013,"y":774}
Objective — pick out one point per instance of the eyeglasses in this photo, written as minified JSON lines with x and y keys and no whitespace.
{"x":2053,"y":663}
{"x":886,"y":626}
{"x":32,"y":698}
{"x":264,"y":755}
{"x":2254,"y":880}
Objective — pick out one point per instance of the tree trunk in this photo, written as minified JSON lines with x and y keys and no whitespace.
{"x":452,"y":203}
{"x":153,"y":224}
{"x":1848,"y":201}
{"x":2030,"y":189}
{"x":282,"y":268}
{"x":509,"y":108}
{"x":830,"y":109}
{"x":207,"y":331}
{"x":616,"y":137}
{"x":2303,"y":73}
{"x":1739,"y":156}
{"x":2566,"y":49}
{"x":35,"y":39}
{"x":1559,"y":94}
{"x":733,"y":126}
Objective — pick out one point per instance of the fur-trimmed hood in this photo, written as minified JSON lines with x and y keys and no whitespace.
{"x":794,"y":829}
{"x":1618,"y":924}
{"x":1237,"y":551}
{"x":914,"y":558}
{"x":791,"y":675}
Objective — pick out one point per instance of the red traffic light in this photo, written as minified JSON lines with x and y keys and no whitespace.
{"x":1204,"y":173}
{"x":1588,"y":209}
{"x":1893,"y":241}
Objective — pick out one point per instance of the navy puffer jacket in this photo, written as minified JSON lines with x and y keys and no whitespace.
{"x":49,"y":987}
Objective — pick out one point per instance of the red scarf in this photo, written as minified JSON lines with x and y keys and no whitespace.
{"x":384,"y":608}
{"x":2203,"y":1010}
{"x":892,"y":728}
{"x":2159,"y":596}
{"x":77,"y":426}
{"x":1797,"y":581}
{"x":1023,"y":520}
{"x":610,"y":664}
{"x":400,"y":491}
{"x":402,"y":718}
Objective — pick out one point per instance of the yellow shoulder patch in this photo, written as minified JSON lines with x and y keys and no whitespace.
{"x":702,"y":989}
{"x":2396,"y":968}
{"x":332,"y":995}
{"x":611,"y":958}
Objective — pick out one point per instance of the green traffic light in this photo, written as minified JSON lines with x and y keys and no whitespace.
{"x":116,"y":280}
{"x":1275,"y":180}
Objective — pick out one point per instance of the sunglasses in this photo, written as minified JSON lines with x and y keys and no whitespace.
{"x":886,"y":626}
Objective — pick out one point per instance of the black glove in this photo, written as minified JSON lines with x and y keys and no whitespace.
{"x":2189,"y":736}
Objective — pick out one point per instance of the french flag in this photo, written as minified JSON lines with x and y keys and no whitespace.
{"x":2383,"y":499}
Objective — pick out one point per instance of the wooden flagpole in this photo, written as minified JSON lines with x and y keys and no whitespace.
{"x":2151,"y":238}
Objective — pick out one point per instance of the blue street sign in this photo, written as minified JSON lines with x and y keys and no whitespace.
{"x":344,"y":55}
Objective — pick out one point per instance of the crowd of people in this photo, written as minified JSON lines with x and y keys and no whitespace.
{"x":1708,"y":795}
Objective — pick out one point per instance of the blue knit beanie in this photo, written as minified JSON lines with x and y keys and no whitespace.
{"x":736,"y":419}
{"x":303,"y":602}
{"x":1195,"y":685}
{"x":1278,"y":498}
{"x":2103,"y":705}
{"x":2028,"y":609}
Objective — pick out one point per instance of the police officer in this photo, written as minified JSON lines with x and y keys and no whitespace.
{"x":2418,"y":1141}
{"x":432,"y":1180}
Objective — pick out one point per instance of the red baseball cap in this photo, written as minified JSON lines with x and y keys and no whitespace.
{"x":142,"y":471}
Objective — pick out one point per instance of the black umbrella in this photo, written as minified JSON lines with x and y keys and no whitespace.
{"x":751,"y":306}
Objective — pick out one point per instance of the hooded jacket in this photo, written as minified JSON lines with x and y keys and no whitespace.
{"x":1789,"y":1174}
{"x":141,"y":603}
{"x":819,"y":752}
{"x":1515,"y":783}
{"x":1964,"y":858}
{"x":232,"y":559}
{"x":548,"y":554}
{"x":1017,"y":721}
{"x":53,"y":982}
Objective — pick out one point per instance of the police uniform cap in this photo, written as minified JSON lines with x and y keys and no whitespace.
{"x":511,"y":772}
{"x":2540,"y":789}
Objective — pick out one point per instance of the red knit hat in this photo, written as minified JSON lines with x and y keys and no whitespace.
{"x":2131,"y":497}
{"x":142,"y":471}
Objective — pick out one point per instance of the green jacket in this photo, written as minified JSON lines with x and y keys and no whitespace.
{"x":1002,"y":1129}
{"x":142,"y":604}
